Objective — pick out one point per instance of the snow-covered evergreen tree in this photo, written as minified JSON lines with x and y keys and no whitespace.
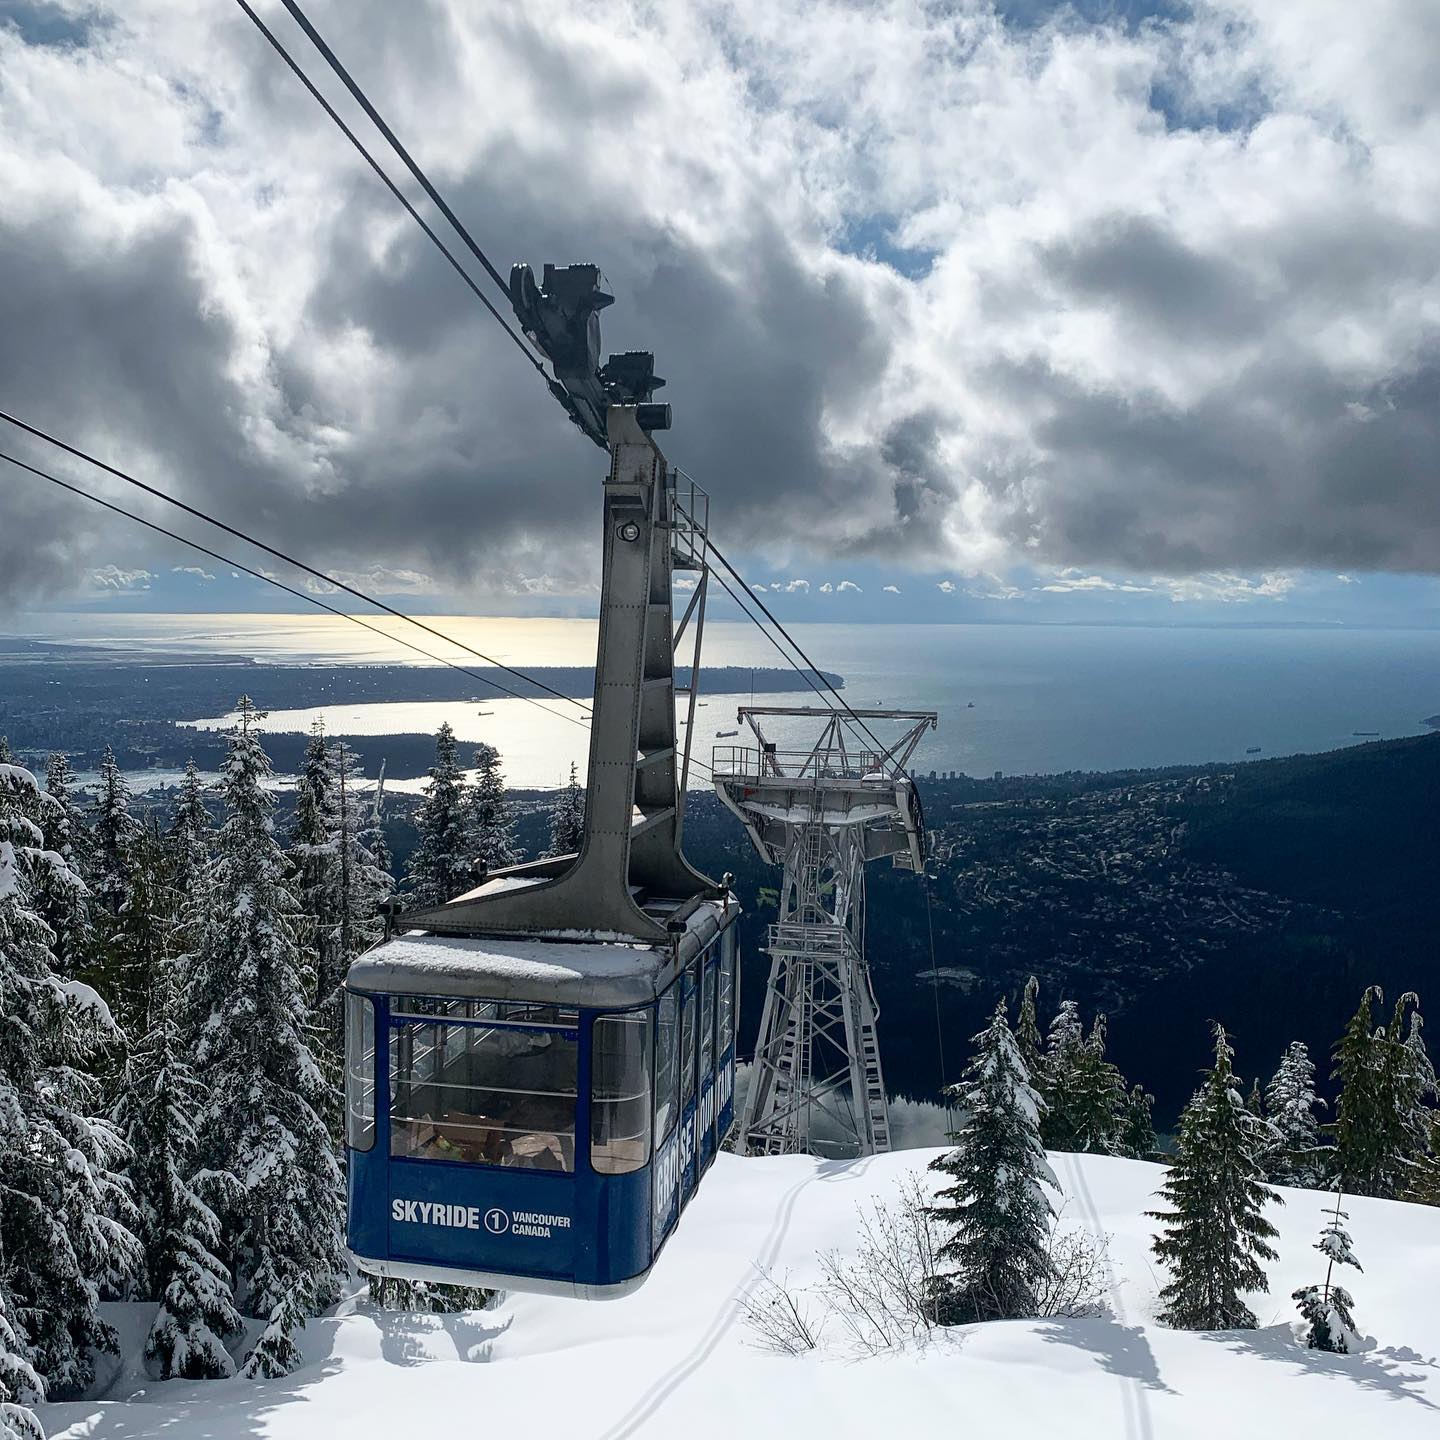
{"x":1137,"y":1133}
{"x":1360,"y":1122}
{"x":1064,"y":1049}
{"x":191,"y":832}
{"x":67,"y":910}
{"x":1414,"y":1084}
{"x":1295,"y":1157}
{"x":314,"y":873}
{"x":361,"y":886}
{"x":1381,"y":1120}
{"x":372,"y":837}
{"x":63,"y":1236}
{"x":275,"y":1183}
{"x":1215,"y":1234}
{"x":439,"y":867}
{"x":1328,"y":1309}
{"x":20,"y":1387}
{"x":567,"y":818}
{"x":1095,"y":1105}
{"x":159,"y":1100}
{"x":994,"y":1204}
{"x":115,"y":830}
{"x":1425,"y":1176}
{"x":489,"y":815}
{"x":1027,"y":1034}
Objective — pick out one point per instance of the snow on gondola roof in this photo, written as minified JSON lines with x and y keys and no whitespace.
{"x":566,"y":967}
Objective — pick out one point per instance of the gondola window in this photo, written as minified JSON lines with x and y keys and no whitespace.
{"x":496,"y":1094}
{"x":687,"y":1033}
{"x":620,"y":1097}
{"x":360,"y":1074}
{"x":667,"y":1062}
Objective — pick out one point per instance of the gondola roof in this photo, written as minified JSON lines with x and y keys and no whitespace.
{"x":575,"y":968}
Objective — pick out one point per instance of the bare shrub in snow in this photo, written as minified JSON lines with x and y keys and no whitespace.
{"x":778,"y":1317}
{"x":1074,"y":1288}
{"x":883,"y":1294}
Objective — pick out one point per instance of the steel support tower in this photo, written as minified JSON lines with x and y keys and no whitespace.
{"x":822,"y":811}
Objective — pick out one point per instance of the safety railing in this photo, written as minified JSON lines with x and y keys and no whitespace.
{"x":739,"y":761}
{"x":691,"y":520}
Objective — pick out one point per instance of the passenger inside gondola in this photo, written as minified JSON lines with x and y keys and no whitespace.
{"x":486,"y":1094}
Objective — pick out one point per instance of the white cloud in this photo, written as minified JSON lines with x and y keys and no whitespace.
{"x":758,"y":589}
{"x":848,"y":586}
{"x":1347,"y":579}
{"x":382,"y":580}
{"x":194,"y":570}
{"x":1193,"y":342}
{"x":891,"y":589}
{"x":685,"y":582}
{"x":1226,"y":589}
{"x":827,"y":588}
{"x":112,"y":577}
{"x":793,"y":587}
{"x":1071,"y":580}
{"x":947,"y":587}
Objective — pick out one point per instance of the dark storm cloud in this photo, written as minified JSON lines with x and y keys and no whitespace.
{"x":1175,"y":379}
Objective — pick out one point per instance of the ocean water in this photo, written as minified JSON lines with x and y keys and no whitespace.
{"x":1013,"y":698}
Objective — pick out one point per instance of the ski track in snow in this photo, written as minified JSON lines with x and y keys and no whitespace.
{"x":660,"y":1391}
{"x":1134,"y":1402}
{"x":675,"y":1359}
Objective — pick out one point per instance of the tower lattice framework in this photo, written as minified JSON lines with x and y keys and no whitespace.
{"x":822,"y":812}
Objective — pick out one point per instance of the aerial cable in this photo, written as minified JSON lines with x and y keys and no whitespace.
{"x":395,"y":190}
{"x":794,"y":645}
{"x":288,"y":589}
{"x":720,"y":580}
{"x":288,"y":559}
{"x":334,"y":62}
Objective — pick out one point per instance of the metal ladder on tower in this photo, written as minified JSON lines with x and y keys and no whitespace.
{"x":877,"y":1111}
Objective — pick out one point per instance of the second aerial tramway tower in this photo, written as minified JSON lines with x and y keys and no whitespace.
{"x":822,"y":812}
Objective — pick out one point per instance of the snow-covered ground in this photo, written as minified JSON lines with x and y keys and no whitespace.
{"x":676,"y":1359}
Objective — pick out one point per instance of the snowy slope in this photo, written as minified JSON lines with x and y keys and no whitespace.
{"x":676,"y":1360}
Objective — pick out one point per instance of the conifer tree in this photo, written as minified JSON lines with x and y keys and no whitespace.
{"x":20,"y":1386}
{"x":1295,"y":1157}
{"x":995,"y":1207}
{"x":489,"y":816}
{"x":1360,"y":1123}
{"x":439,"y":867}
{"x":1328,"y":1309}
{"x":1137,"y":1134}
{"x":313,"y":863}
{"x":567,"y":818}
{"x":191,"y":834}
{"x":115,"y":830}
{"x":1425,"y":1177}
{"x":275,"y":1183}
{"x":361,"y":887}
{"x":1096,"y":1102}
{"x":1027,"y":1035}
{"x":67,"y":910}
{"x":63,"y":1236}
{"x":1215,"y":1234}
{"x":1414,"y":1086}
{"x":1381,"y":1119}
{"x":373,"y":835}
{"x":1064,"y":1047}
{"x":159,"y":1100}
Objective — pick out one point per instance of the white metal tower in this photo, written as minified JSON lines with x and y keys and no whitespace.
{"x":821,"y":812}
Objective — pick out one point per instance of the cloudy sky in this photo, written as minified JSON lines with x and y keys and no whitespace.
{"x":968,"y":311}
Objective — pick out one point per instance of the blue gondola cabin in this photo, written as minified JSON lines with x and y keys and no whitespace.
{"x":535,"y":1113}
